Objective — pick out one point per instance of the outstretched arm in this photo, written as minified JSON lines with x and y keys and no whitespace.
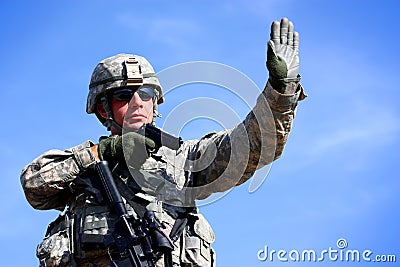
{"x":232,"y":156}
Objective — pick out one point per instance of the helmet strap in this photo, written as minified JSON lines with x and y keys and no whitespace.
{"x":155,"y":112}
{"x":109,"y":121}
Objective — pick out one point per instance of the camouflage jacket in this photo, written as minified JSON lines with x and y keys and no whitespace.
{"x":214,"y":163}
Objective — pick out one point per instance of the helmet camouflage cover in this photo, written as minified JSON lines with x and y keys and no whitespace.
{"x":121,"y":70}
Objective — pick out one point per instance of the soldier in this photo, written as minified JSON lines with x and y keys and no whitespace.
{"x":124,"y":93}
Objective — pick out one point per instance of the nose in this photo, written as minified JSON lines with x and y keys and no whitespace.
{"x":136,"y":100}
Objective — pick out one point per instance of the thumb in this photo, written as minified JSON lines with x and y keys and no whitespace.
{"x":271,"y":47}
{"x":276,"y":65}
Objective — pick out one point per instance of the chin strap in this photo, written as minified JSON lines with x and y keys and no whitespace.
{"x":155,"y":112}
{"x":109,"y":121}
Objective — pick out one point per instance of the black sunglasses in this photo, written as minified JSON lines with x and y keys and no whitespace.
{"x":126,"y":94}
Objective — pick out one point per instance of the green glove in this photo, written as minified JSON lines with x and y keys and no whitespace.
{"x":283,"y":55}
{"x":130,"y":148}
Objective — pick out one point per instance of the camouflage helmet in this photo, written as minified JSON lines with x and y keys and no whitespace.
{"x":119,"y":71}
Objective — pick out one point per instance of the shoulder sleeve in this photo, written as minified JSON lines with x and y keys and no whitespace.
{"x":46,"y":179}
{"x":231,"y":157}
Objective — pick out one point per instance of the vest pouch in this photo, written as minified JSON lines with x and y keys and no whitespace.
{"x":55,"y":249}
{"x":95,"y":231}
{"x":197,"y":239}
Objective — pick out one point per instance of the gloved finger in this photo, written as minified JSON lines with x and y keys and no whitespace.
{"x":296,"y":40}
{"x":290,"y":33}
{"x":284,"y":30}
{"x":275,"y":32}
{"x":150,"y":143}
{"x":134,"y":149}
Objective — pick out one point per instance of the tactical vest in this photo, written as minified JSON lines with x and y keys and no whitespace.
{"x":82,"y":234}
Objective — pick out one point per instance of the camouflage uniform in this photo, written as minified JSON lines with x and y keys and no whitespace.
{"x":46,"y":181}
{"x":168,"y":182}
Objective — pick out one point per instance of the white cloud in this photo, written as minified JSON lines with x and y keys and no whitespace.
{"x":361,"y":132}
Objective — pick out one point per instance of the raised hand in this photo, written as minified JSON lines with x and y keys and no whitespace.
{"x":283,"y":54}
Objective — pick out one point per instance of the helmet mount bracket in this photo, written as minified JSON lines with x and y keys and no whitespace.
{"x":134,"y":74}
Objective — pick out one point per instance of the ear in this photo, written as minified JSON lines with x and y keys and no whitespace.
{"x":101,"y":111}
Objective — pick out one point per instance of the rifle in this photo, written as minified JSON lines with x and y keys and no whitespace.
{"x":137,"y":240}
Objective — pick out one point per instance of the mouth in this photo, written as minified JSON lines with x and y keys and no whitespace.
{"x":138,"y":117}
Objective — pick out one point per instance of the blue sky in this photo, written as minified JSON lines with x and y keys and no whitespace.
{"x":337,"y":178}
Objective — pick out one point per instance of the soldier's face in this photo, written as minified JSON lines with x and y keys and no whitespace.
{"x":131,"y":108}
{"x":132,"y":114}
